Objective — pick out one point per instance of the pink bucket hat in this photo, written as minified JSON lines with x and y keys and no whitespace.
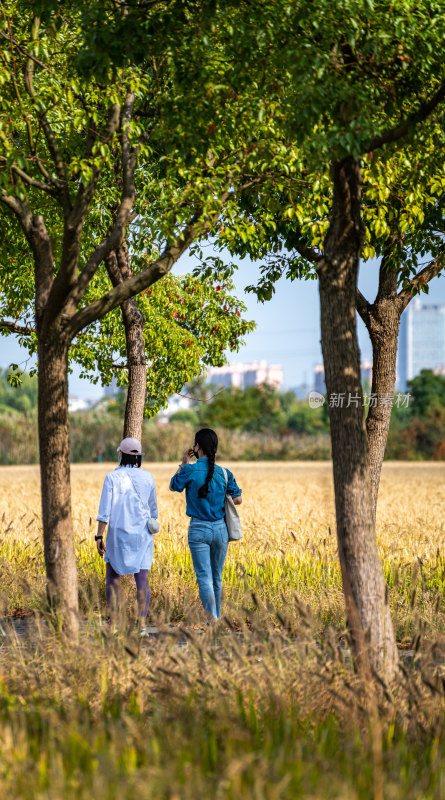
{"x":130,"y":446}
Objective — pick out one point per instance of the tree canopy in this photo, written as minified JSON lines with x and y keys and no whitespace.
{"x":189,"y":324}
{"x":50,"y":118}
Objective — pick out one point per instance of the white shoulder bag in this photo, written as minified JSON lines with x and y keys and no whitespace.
{"x":233,"y":521}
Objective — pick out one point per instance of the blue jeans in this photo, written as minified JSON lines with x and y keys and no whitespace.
{"x":208,"y":542}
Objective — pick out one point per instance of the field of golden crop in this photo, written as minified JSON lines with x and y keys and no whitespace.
{"x":287,"y":556}
{"x":274,"y":712}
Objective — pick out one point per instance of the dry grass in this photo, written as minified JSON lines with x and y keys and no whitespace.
{"x":251,"y":719}
{"x":260,"y":716}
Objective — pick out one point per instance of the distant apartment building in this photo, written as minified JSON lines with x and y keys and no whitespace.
{"x":365,"y":375}
{"x":177,"y":402}
{"x":421,"y":340}
{"x":240,"y":376}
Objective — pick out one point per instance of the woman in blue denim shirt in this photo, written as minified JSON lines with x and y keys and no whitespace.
{"x":205,"y":491}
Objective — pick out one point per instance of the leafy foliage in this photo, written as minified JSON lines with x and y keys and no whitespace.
{"x":181,"y":337}
{"x":261,"y":409}
{"x":17,"y":395}
{"x":419,"y":433}
{"x":189,"y":325}
{"x":428,"y":392}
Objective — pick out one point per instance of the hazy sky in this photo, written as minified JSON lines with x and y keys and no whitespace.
{"x":288,"y":326}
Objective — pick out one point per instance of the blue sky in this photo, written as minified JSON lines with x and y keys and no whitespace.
{"x":288,"y":326}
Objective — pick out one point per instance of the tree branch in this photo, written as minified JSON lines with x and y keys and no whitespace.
{"x":56,"y":155}
{"x":393,"y":134}
{"x":122,"y":217}
{"x":141,"y":280}
{"x":39,"y":163}
{"x":308,"y":253}
{"x":21,"y":211}
{"x":40,"y":243}
{"x":161,"y":266}
{"x":387,"y":273}
{"x":31,"y":181}
{"x":107,"y":245}
{"x":86,"y":192}
{"x":424,"y":276}
{"x":22,"y":50}
{"x":67,"y":289}
{"x":23,"y":330}
{"x":363,"y":307}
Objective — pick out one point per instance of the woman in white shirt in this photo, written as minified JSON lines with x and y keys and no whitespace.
{"x":128,"y":506}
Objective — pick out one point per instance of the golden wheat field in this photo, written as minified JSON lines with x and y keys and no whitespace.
{"x":288,"y":553}
{"x":271,"y":712}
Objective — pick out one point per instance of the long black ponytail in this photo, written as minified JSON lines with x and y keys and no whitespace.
{"x":207,"y":440}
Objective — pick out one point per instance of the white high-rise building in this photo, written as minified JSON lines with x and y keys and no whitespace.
{"x":421,"y":340}
{"x":239,"y":376}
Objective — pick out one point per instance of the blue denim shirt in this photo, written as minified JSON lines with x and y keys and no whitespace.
{"x":191,"y":477}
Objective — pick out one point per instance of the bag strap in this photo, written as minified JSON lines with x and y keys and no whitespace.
{"x":226,"y":477}
{"x":144,"y":504}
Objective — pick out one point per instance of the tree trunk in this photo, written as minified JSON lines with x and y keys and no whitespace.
{"x":137,"y":378}
{"x":360,"y":564}
{"x":382,"y":320}
{"x":384,"y":339}
{"x":54,"y":448}
{"x":118,"y":268}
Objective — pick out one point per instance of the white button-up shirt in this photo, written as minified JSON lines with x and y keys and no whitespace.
{"x":129,"y":545}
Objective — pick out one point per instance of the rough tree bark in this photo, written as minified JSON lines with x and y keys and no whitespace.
{"x":360,"y":563}
{"x":54,"y":446}
{"x":382,"y":320}
{"x":118,"y":268}
{"x":53,"y":428}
